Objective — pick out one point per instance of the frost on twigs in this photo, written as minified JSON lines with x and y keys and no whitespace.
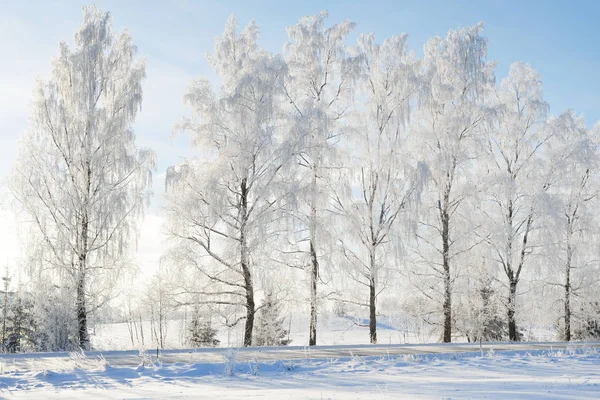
{"x":230,"y":361}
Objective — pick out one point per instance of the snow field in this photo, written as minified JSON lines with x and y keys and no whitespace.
{"x":333,"y":330}
{"x":572,"y":374}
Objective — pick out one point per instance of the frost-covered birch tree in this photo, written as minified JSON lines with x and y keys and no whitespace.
{"x":457,"y":78}
{"x":381,"y":177}
{"x":518,"y":174}
{"x":222,"y":206}
{"x":317,"y":88}
{"x":573,"y":152}
{"x":80,"y":178}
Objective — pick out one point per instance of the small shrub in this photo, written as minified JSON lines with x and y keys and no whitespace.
{"x":230,"y":358}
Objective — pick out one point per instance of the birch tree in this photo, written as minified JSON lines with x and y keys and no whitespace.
{"x":222,"y":207}
{"x":382,"y":178}
{"x":317,"y":88}
{"x":457,"y":78}
{"x":80,"y":177}
{"x":519,"y":175}
{"x":573,"y":152}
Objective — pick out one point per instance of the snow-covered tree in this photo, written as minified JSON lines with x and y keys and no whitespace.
{"x":449,"y":123}
{"x":132,"y":314}
{"x":159,"y":307}
{"x":5,"y":304}
{"x":80,"y":178}
{"x":381,"y":177}
{"x":480,"y":311}
{"x":18,"y":322}
{"x":270,"y":330}
{"x":518,"y":175}
{"x":588,"y":327}
{"x":21,"y":325}
{"x":201,"y":332}
{"x":318,"y":88}
{"x":56,"y":323}
{"x":574,"y":188}
{"x":222,"y":207}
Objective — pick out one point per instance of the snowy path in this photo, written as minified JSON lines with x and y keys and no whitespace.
{"x":132,"y":358}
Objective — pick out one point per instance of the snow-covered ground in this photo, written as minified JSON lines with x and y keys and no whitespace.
{"x":332,"y":330}
{"x":539,"y":374}
{"x":573,"y":374}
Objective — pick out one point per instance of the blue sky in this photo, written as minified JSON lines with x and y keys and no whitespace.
{"x":560,"y":39}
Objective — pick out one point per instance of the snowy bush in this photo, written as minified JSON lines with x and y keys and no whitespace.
{"x":230,"y":359}
{"x":589,"y":326}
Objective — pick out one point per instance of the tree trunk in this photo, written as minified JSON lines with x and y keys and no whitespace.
{"x":372,"y":293}
{"x":512,"y":323}
{"x":314,"y":272}
{"x":245,"y":265}
{"x":142,"y":330}
{"x":161,"y":319}
{"x":250,"y":311}
{"x":447,"y":306}
{"x":5,"y":312}
{"x":567,"y":332}
{"x":314,"y":276}
{"x":84,"y":339}
{"x":372,"y":312}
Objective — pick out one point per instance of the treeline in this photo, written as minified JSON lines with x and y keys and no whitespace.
{"x":359,"y":175}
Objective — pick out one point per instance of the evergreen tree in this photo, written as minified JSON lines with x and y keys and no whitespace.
{"x":20,"y":325}
{"x":270,"y":330}
{"x":201,"y":332}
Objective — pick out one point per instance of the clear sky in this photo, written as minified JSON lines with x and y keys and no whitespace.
{"x":560,"y":39}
